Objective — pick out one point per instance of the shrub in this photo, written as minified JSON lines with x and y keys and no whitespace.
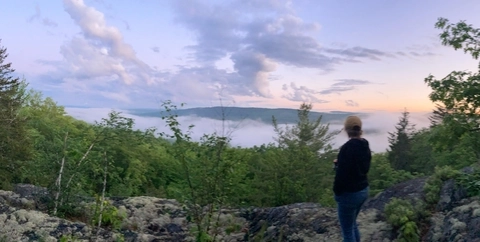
{"x":403,"y":217}
{"x":111,"y":216}
{"x":471,"y":182}
{"x":434,"y":183}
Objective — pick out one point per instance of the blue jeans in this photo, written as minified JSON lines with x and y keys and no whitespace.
{"x":348,"y":206}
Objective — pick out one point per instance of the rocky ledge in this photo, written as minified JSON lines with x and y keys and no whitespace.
{"x":155,"y":219}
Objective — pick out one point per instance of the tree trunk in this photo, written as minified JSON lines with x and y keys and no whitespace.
{"x":103,"y":195}
{"x":58,"y":182}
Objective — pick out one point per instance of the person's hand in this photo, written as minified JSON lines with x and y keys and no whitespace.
{"x":335,"y":161}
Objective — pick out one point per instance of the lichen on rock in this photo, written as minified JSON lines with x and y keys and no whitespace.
{"x":157,"y":219}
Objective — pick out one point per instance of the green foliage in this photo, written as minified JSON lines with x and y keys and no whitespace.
{"x":409,"y":232}
{"x":453,"y":136}
{"x":470,"y":182}
{"x":454,"y":145}
{"x":111,"y":216}
{"x":403,"y":217}
{"x":68,"y":238}
{"x":460,"y":36}
{"x":209,"y":170}
{"x":434,"y":183}
{"x":459,"y":92}
{"x":299,"y":166}
{"x":422,"y":152}
{"x":382,"y":175}
{"x":14,"y":141}
{"x":400,"y":153}
{"x":306,"y":133}
{"x":119,"y":238}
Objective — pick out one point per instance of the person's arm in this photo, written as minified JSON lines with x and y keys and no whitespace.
{"x":341,"y":176}
{"x":367,"y":160}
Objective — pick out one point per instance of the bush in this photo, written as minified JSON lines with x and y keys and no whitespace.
{"x":111,"y":216}
{"x":403,"y":217}
{"x":434,"y":183}
{"x":471,"y":182}
{"x":382,"y":175}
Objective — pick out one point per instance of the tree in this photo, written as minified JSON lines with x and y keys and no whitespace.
{"x":459,"y":91}
{"x":438,"y":115}
{"x":306,"y":133}
{"x":382,"y":175}
{"x":14,"y":145}
{"x":399,"y":155}
{"x":299,"y":170}
{"x":423,"y":160}
{"x":210,"y":173}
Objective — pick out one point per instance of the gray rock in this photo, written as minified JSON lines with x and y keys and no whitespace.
{"x":156,"y":219}
{"x":462,"y":223}
{"x":450,"y":194}
{"x":411,"y":190}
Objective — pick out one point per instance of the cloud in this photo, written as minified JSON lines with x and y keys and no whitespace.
{"x":351,"y":82}
{"x":95,"y":29}
{"x":215,"y":28}
{"x":286,"y":40}
{"x":418,"y":50}
{"x":360,"y":52}
{"x":98,"y":61}
{"x":254,"y":69}
{"x":199,"y":84}
{"x":38,"y":16}
{"x":127,"y":25}
{"x":301,"y":94}
{"x":257,"y":36}
{"x":420,"y":54}
{"x":344,"y":85}
{"x":336,"y":89}
{"x":351,"y":103}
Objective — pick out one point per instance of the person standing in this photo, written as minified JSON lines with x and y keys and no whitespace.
{"x":351,"y":186}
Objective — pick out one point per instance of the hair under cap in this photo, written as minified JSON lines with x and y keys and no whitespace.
{"x":353,"y":123}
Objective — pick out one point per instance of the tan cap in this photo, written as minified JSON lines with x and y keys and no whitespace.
{"x":351,"y":122}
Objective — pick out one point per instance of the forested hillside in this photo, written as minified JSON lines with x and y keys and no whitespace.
{"x":283,"y":115}
{"x":41,"y":145}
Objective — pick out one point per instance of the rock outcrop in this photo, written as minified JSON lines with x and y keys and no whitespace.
{"x":23,"y":218}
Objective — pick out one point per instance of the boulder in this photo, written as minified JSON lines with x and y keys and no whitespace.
{"x":462,"y":223}
{"x":411,"y":190}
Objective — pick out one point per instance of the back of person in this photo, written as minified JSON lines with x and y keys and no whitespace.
{"x":351,"y":182}
{"x":353,"y":163}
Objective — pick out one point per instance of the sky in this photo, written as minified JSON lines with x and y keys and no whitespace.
{"x":361,"y":56}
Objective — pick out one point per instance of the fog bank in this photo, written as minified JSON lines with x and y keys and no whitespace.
{"x":248,"y":133}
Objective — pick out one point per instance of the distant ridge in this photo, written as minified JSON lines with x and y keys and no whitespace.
{"x":283,"y":115}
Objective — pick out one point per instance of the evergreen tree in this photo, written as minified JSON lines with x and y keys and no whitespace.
{"x":438,"y":115}
{"x":400,"y":155}
{"x":306,"y":133}
{"x":14,"y":147}
{"x":302,"y":162}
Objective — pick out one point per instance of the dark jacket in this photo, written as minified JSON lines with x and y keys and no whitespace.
{"x":353,"y":164}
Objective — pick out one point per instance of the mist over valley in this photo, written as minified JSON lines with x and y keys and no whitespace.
{"x":253,"y":126}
